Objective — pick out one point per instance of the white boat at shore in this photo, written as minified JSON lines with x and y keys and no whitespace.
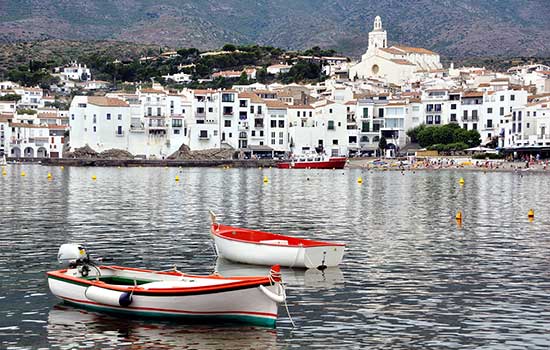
{"x":165,"y":294}
{"x":3,"y":161}
{"x":265,"y":248}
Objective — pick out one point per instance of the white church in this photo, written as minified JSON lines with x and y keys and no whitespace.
{"x":396,"y":64}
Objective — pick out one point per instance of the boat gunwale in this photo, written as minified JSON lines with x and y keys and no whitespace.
{"x":241,"y":283}
{"x":220,"y":229}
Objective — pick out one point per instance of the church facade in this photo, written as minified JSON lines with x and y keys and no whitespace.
{"x":396,"y":64}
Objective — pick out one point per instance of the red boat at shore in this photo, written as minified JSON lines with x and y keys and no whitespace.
{"x":314,"y":162}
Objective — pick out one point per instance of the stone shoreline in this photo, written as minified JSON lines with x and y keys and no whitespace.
{"x":234,"y":163}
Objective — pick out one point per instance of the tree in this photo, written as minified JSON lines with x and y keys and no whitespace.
{"x":243,"y":79}
{"x":229,"y":47}
{"x":382,"y":145}
{"x":10,"y":97}
{"x":413,"y":133}
{"x":261,"y":75}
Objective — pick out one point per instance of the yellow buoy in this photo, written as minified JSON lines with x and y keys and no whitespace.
{"x":260,"y":167}
{"x":49,"y":176}
{"x":177,"y":178}
{"x":4,"y":173}
{"x":461,"y":181}
{"x":458,"y":216}
{"x":266,"y":180}
{"x":94,"y":177}
{"x":23,"y":173}
{"x":360,"y":180}
{"x":531,"y":214}
{"x":62,"y":167}
{"x":270,"y":167}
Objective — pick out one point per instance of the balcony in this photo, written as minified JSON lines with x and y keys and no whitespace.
{"x":137,"y":128}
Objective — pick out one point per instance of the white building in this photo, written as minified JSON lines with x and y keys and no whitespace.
{"x":397,"y":64}
{"x":74,"y":71}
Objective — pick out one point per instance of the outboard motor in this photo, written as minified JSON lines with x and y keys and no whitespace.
{"x":74,"y":256}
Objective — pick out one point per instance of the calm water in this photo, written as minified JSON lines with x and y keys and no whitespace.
{"x":410,"y":279}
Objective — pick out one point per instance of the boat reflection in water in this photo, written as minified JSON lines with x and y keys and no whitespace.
{"x":327,"y":278}
{"x":70,"y":328}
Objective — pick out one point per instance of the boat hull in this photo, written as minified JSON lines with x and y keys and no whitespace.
{"x":247,"y":305}
{"x":332,"y":163}
{"x":270,"y":254}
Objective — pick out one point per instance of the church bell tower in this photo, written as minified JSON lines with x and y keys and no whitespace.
{"x":378,"y":38}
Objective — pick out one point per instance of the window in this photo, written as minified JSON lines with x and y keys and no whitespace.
{"x":210,"y":109}
{"x":474,"y":126}
{"x":502,"y":98}
{"x":81,"y":105}
{"x":119,"y":117}
{"x":489,"y":110}
{"x":119,"y":130}
{"x":72,"y":116}
{"x":429,"y":119}
{"x":108,"y":116}
{"x":437,"y":119}
{"x":259,"y":109}
{"x":253,"y":133}
{"x":453,"y":106}
{"x":331,"y":125}
{"x":335,"y":141}
{"x":273,"y":123}
{"x":203,"y":134}
{"x":489,"y":123}
{"x":177,"y":123}
{"x":465,"y":115}
{"x":95,"y":129}
{"x":298,"y":113}
{"x":149,"y":111}
{"x":251,"y":109}
{"x":261,"y":133}
{"x":465,"y":126}
{"x":227,"y":110}
{"x":365,"y":113}
{"x":512,"y":97}
{"x":94,"y":119}
{"x":242,"y":103}
{"x":310,"y":114}
{"x":339,"y":124}
{"x":228,"y":98}
{"x":453,"y":117}
{"x":176,"y":131}
{"x":330,"y":111}
{"x":352,"y":139}
{"x":474,"y":114}
{"x":227,"y":123}
{"x":281,"y":123}
{"x":501,"y":110}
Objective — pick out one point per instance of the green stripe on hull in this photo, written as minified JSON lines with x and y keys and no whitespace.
{"x":248,"y":319}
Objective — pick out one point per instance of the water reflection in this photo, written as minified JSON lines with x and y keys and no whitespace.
{"x":310,"y":278}
{"x":70,"y":328}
